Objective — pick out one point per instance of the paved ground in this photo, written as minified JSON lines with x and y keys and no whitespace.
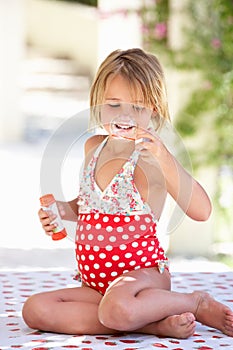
{"x":23,"y":245}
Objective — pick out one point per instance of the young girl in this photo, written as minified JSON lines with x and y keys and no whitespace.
{"x":124,"y":271}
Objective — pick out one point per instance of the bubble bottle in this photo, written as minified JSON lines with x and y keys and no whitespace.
{"x":48,"y":203}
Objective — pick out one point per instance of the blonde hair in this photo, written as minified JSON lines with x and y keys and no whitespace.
{"x":143,"y":71}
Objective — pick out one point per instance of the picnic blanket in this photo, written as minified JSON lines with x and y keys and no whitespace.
{"x":16,"y":286}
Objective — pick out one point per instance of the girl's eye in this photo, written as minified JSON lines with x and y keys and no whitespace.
{"x":138,"y":108}
{"x":114,"y":105}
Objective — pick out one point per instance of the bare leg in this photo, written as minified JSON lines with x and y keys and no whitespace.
{"x":70,"y":311}
{"x":142,"y":297}
{"x":128,"y":307}
{"x":75,"y":311}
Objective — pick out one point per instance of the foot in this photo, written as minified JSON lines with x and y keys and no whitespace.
{"x":213,"y":313}
{"x":176,"y":326}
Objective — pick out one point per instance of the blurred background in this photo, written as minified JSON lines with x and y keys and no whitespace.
{"x":50,"y":50}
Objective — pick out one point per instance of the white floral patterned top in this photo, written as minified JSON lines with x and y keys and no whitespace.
{"x":119,"y":197}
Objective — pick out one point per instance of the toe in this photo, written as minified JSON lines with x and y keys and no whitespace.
{"x":186,"y":318}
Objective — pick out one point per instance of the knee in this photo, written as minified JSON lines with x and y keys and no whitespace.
{"x":34,"y":312}
{"x":116,"y":313}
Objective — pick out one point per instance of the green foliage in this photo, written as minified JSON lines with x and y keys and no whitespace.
{"x":208,"y":48}
{"x":155,"y":23}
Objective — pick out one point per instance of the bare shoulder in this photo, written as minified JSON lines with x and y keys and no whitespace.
{"x":93,"y":142}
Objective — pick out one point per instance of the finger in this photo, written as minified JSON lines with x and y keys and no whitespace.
{"x":145,"y":136}
{"x":144,"y":152}
{"x":46,"y":221}
{"x":142,"y":133}
{"x":49,"y":229}
{"x":148,"y":130}
{"x":143,"y":140}
{"x":47,"y":218}
{"x":43,"y":213}
{"x":143,"y":144}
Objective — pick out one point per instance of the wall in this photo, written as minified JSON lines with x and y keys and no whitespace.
{"x":12,"y":54}
{"x":63,"y":29}
{"x":83,"y":33}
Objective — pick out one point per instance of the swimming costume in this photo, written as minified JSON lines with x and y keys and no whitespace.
{"x":116,"y":229}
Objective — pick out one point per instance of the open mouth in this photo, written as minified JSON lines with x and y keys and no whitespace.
{"x":125,"y":131}
{"x":124,"y":127}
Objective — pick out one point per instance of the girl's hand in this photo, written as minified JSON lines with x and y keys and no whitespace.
{"x":47,"y":219}
{"x":150,"y":147}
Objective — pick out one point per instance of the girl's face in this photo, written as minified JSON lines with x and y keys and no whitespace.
{"x":121,"y":101}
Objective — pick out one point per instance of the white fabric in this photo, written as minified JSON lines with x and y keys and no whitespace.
{"x":15,"y":287}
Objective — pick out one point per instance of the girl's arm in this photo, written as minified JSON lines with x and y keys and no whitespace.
{"x":185,"y":190}
{"x":68,"y":210}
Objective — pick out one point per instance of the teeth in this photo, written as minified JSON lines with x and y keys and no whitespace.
{"x":125,"y":127}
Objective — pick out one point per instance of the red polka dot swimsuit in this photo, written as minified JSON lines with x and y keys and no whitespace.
{"x":116,"y":229}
